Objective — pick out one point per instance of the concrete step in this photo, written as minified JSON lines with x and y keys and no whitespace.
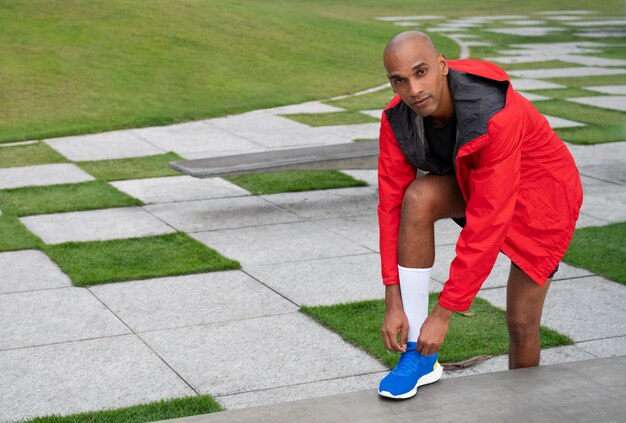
{"x":583,"y":391}
{"x":355,"y":155}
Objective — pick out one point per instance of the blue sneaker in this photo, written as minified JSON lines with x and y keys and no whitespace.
{"x":412,"y":371}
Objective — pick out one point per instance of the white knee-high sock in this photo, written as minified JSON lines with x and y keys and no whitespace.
{"x":414,"y":290}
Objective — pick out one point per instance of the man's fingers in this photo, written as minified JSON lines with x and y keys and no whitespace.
{"x":383,"y":334}
{"x":405,"y":334}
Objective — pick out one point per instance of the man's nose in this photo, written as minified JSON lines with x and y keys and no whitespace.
{"x":415,"y":88}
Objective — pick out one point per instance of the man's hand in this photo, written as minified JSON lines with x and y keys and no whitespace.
{"x":433,"y":331}
{"x":395,"y":320}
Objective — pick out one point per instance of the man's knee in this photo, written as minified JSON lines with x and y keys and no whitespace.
{"x":419,"y":200}
{"x":522,"y":328}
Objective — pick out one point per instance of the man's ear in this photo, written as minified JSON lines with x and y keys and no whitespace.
{"x":444,"y":64}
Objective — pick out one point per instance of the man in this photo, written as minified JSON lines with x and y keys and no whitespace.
{"x":497,"y":168}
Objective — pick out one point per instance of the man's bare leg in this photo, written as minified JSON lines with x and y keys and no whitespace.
{"x":428,"y":199}
{"x":524,"y":305}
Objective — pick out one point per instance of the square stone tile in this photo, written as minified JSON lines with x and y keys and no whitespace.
{"x":172,"y":302}
{"x":607,"y":347}
{"x":95,"y":225}
{"x":279,"y":243}
{"x":598,"y":154}
{"x":53,"y":316}
{"x":534,"y":97}
{"x":529,"y":31}
{"x":358,"y":131}
{"x":84,"y":376}
{"x":196,"y":137}
{"x":565,"y":72}
{"x":50,"y":174}
{"x":557,"y":122}
{"x":407,"y":18}
{"x":304,"y":391}
{"x":598,"y":22}
{"x":309,"y":107}
{"x":369,"y":176}
{"x":178,"y":188}
{"x":326,"y":204}
{"x":591,"y":61}
{"x":594,"y":33}
{"x":525,"y":22}
{"x":295,"y":138}
{"x":326,"y":281}
{"x":605,"y":207}
{"x":583,"y":308}
{"x":611,"y":102}
{"x":103,"y":146}
{"x":270,"y":352}
{"x":360,"y":229}
{"x":29,"y":270}
{"x":223,"y":213}
{"x":526,"y":84}
{"x":376,"y":113}
{"x":255,"y":121}
{"x":608,"y":89}
{"x":567,"y":12}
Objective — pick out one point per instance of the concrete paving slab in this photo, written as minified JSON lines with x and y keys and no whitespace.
{"x":84,"y":376}
{"x":362,"y":230}
{"x":50,"y":174}
{"x":155,"y":304}
{"x":607,"y":347}
{"x":572,"y":307}
{"x":563,"y":18}
{"x":524,"y":22}
{"x":95,"y":225}
{"x":591,"y":61}
{"x":179,"y":188}
{"x":444,"y":29}
{"x":326,"y":204}
{"x":294,"y":138}
{"x":104,"y":146}
{"x":618,"y":33}
{"x":567,"y":12}
{"x":598,"y":154}
{"x":252,"y":121}
{"x":279,"y":243}
{"x":582,"y":391}
{"x":598,"y":22}
{"x":223,"y":213}
{"x":406,"y":18}
{"x":566,"y":72}
{"x":585,"y":221}
{"x":53,"y":316}
{"x":358,"y":131}
{"x":302,"y":391}
{"x":529,"y":31}
{"x":29,"y":270}
{"x":533,"y":84}
{"x":608,"y":89}
{"x":407,"y":24}
{"x":534,"y":97}
{"x":277,"y":351}
{"x":557,"y":122}
{"x":309,"y":107}
{"x":196,"y":137}
{"x":326,"y":281}
{"x":566,"y":47}
{"x":611,"y":102}
{"x":369,"y":176}
{"x":608,"y":208}
{"x":376,"y":113}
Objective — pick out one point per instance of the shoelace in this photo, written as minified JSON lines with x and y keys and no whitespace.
{"x":407,"y":363}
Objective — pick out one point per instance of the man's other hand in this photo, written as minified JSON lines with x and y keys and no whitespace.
{"x":433,"y":331}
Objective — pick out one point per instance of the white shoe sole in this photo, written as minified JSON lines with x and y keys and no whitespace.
{"x":431,"y":377}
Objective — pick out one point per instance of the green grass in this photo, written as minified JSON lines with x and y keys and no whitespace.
{"x":89,"y":263}
{"x":158,"y":410}
{"x":588,"y":81}
{"x":565,"y":93}
{"x":601,"y":250}
{"x":63,"y":198}
{"x":14,"y":236}
{"x":28,"y":155}
{"x":336,"y":118}
{"x":483,"y":333}
{"x":550,"y":64}
{"x":271,"y":183}
{"x":604,"y":125}
{"x":372,"y":101}
{"x":134,"y":168}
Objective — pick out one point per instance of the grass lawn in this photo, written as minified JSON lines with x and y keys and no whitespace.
{"x":29,"y":155}
{"x":600,"y":249}
{"x":15,"y":236}
{"x":63,"y":198}
{"x":158,"y":410}
{"x":372,"y":101}
{"x":337,"y":118}
{"x":483,"y":333}
{"x":133,"y":168}
{"x":271,"y":183}
{"x":90,"y":263}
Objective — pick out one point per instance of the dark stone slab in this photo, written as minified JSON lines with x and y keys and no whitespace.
{"x":356,"y":155}
{"x":584,"y":391}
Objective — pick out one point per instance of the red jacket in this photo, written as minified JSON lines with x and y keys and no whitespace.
{"x":519,"y":181}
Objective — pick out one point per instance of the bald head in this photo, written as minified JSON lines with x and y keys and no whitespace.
{"x":415,"y":41}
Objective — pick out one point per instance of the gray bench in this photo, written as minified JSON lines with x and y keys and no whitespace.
{"x":356,"y":155}
{"x":583,"y":391}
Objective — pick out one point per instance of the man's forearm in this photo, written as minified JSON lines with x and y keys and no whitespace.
{"x":393,"y":296}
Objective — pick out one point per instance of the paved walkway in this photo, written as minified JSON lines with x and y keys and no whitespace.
{"x":238,"y":335}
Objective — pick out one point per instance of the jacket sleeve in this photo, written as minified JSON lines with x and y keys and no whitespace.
{"x":395,"y":174}
{"x":493,"y":185}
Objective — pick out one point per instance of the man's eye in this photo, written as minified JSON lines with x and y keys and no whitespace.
{"x":421,"y":72}
{"x":399,"y":81}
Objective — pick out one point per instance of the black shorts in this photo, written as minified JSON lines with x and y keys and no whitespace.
{"x":461,"y":222}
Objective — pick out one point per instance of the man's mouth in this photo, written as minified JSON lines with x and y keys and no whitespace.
{"x":421,"y":102}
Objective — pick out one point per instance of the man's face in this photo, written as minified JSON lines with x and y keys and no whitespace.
{"x":418,"y":75}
